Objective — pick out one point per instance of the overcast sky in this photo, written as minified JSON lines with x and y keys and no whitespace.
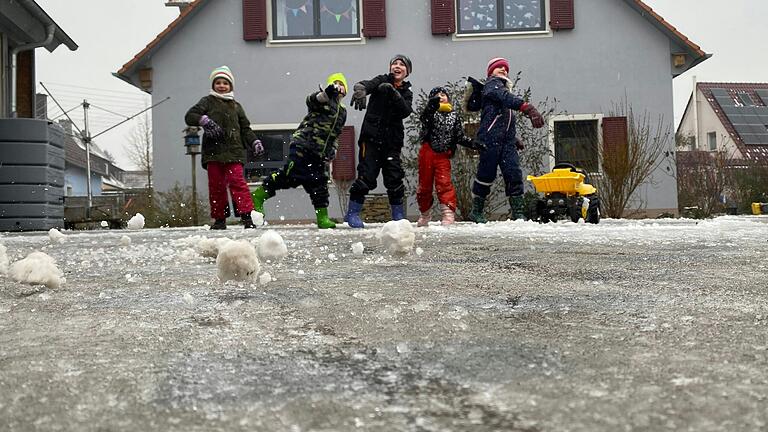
{"x":111,"y":32}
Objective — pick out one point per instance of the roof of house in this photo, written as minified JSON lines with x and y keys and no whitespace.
{"x":742,"y":108}
{"x":16,"y":25}
{"x":646,"y":11}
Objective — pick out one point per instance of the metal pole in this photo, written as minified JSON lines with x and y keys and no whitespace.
{"x":87,"y":142}
{"x":194,"y":191}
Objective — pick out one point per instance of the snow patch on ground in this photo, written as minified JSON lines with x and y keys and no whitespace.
{"x":56,"y":236}
{"x":210,"y":247}
{"x":3,"y":259}
{"x":358,"y":248}
{"x":38,"y":268}
{"x":125,"y":240}
{"x":237,"y":261}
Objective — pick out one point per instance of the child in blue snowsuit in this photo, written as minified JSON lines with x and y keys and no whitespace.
{"x":497,"y":132}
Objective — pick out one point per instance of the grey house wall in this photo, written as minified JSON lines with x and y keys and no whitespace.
{"x":612,"y":54}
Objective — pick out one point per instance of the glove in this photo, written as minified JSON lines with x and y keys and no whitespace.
{"x":536,"y":119}
{"x":388,"y":89}
{"x":257,"y":147}
{"x":519,"y":144}
{"x":210,"y":128}
{"x":479,"y":146}
{"x":434,"y":103}
{"x":358,"y":97}
{"x":476,"y":85}
{"x":332,"y":91}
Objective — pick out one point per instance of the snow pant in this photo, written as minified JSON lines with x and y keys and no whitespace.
{"x":435,"y":168}
{"x":221,"y":176}
{"x":304,"y":169}
{"x":374,"y":157}
{"x":504,"y":156}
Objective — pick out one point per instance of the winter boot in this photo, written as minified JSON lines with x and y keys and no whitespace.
{"x":516,"y":205}
{"x":353,"y":215}
{"x":424,"y":218}
{"x":322,"y":219}
{"x":398,"y":211}
{"x":219,"y":224}
{"x":449,"y":216}
{"x":476,"y":215}
{"x":259,"y":196}
{"x":247,"y":222}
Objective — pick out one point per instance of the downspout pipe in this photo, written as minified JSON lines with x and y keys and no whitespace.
{"x":50,"y":30}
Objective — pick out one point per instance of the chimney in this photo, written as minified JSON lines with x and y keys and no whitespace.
{"x":66,"y":125}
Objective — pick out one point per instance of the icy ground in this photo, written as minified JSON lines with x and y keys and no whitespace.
{"x":513,"y":326}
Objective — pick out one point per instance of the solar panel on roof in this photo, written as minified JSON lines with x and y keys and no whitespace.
{"x":763,"y":93}
{"x":725,"y":101}
{"x":719,"y":92}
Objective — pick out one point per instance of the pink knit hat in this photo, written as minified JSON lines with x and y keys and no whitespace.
{"x":497,"y":62}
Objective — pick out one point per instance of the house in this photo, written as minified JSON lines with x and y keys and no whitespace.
{"x":31,"y":150}
{"x":587,"y":54}
{"x":728,"y":117}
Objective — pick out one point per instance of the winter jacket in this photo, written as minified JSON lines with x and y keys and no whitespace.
{"x":230,"y":116}
{"x":443,"y":130}
{"x":319,"y":132}
{"x":497,"y":119}
{"x":384,"y":117}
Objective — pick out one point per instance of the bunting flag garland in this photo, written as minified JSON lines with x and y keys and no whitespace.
{"x":302,"y":8}
{"x":346,"y":14}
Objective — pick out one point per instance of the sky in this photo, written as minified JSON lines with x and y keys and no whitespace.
{"x":111,"y":32}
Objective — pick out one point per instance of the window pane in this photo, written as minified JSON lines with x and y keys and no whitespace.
{"x":275,"y":152}
{"x":338,"y":17}
{"x":523,"y":15}
{"x":576,"y":143}
{"x":294,"y":18}
{"x":478,"y":15}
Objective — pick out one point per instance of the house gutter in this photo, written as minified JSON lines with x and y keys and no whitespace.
{"x":50,"y":30}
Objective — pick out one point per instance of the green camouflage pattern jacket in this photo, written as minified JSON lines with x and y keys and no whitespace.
{"x":319,"y":131}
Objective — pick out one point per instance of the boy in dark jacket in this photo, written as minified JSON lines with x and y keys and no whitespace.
{"x":226,"y":133}
{"x":381,"y":138}
{"x":497,"y":132}
{"x":313,"y":146}
{"x":441,"y":131}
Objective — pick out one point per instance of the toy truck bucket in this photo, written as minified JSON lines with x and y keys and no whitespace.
{"x":562,"y":180}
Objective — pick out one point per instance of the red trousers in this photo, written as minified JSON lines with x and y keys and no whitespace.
{"x":221,"y":175}
{"x":435,"y":168}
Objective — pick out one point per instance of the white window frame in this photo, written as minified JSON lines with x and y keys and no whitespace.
{"x":576,"y":117}
{"x":312,"y":41}
{"x":458,"y":36}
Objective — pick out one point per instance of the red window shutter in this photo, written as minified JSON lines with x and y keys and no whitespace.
{"x":443,"y":17}
{"x":615,"y":140}
{"x":254,"y":20}
{"x":561,"y":14}
{"x":343,"y":166}
{"x":374,"y":18}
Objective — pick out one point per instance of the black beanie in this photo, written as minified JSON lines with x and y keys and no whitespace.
{"x":404,"y":59}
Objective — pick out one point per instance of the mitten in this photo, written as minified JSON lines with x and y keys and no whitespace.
{"x":479,"y":145}
{"x":358,"y":97}
{"x":433,"y":103}
{"x":257,"y":147}
{"x":536,"y":119}
{"x":332,"y":91}
{"x":210,"y":128}
{"x":388,"y":89}
{"x":519,"y":144}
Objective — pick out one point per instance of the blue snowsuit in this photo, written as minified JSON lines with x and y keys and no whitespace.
{"x":497,"y":131}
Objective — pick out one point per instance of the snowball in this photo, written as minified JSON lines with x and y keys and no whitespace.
{"x":3,"y":259}
{"x":397,"y":236}
{"x":136,"y":222}
{"x":265,"y":278}
{"x":37,"y":269}
{"x":419,"y":251}
{"x":56,"y":236}
{"x":358,"y":248}
{"x":210,"y":247}
{"x":125,"y":240}
{"x":237,"y":260}
{"x":104,"y":224}
{"x":272,"y":246}
{"x":257,"y":217}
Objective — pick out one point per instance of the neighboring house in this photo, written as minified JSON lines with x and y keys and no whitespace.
{"x":728,"y":117}
{"x":104,"y":174}
{"x":31,"y":151}
{"x":588,"y":54}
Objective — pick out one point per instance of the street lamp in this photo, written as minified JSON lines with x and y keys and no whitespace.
{"x":192,"y":145}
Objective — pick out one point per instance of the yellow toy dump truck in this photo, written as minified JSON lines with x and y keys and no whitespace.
{"x":567,"y":194}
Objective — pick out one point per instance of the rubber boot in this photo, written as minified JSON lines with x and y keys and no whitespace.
{"x":219,"y":224}
{"x":353,"y":215}
{"x":259,"y":196}
{"x":516,"y":205}
{"x":398,"y":211}
{"x":424,"y":218}
{"x":476,"y":215}
{"x":449,"y":216}
{"x":322,"y":219}
{"x":247,"y":222}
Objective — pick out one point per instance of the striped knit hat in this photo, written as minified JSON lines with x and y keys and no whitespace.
{"x":223,"y":72}
{"x":497,"y":62}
